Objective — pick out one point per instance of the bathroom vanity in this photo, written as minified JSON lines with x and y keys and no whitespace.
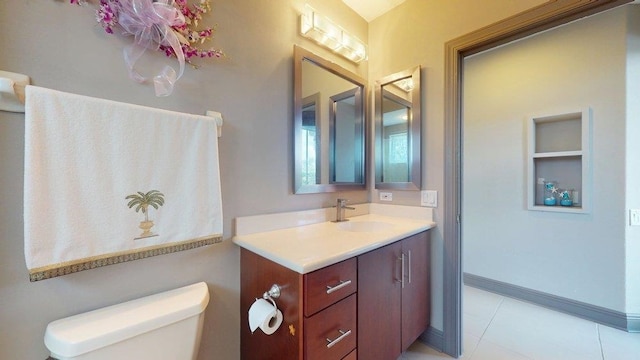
{"x":351,"y":290}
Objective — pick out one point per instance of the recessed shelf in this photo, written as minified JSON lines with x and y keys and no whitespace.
{"x":558,"y":133}
{"x":563,"y":209}
{"x":558,"y":152}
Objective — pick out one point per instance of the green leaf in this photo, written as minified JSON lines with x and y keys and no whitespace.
{"x":133,"y":202}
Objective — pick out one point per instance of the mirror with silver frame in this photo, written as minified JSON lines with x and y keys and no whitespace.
{"x":329,"y":126}
{"x":397,"y":131}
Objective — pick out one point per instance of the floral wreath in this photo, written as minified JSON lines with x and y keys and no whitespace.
{"x":163,"y":25}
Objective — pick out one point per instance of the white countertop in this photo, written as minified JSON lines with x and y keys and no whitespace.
{"x":311,"y":247}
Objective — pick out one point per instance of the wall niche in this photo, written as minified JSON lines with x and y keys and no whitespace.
{"x":558,"y":162}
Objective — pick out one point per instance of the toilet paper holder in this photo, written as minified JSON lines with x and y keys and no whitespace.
{"x":262,"y":315}
{"x":272,"y":293}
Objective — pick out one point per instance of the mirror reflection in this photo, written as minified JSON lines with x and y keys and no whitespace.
{"x":396,"y":111}
{"x":346,"y":137}
{"x":311,"y":141}
{"x":398,"y":131}
{"x":328,"y":127}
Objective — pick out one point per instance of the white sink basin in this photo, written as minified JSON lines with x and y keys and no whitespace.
{"x":364,"y":226}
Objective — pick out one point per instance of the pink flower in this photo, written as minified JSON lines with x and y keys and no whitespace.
{"x":107,"y":15}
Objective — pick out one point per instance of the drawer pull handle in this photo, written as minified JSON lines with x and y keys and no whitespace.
{"x":342,"y":284}
{"x":331,"y":343}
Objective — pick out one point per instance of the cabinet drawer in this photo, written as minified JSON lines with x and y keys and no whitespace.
{"x":326,"y":286}
{"x":352,"y":355}
{"x":331,"y":334}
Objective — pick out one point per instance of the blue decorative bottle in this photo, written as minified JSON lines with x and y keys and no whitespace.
{"x":550,"y":192}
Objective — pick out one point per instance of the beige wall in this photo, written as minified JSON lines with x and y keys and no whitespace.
{"x":61,"y":47}
{"x":414,"y":33}
{"x":575,"y":256}
{"x":632,"y":166}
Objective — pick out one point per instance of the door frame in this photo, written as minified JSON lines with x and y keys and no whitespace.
{"x":543,"y":17}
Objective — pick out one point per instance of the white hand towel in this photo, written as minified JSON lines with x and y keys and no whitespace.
{"x":83,"y":158}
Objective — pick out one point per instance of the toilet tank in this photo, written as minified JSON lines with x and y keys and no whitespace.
{"x":164,"y":326}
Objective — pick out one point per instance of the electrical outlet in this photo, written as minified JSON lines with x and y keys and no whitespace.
{"x":429,"y":198}
{"x":386,"y":196}
{"x":634,"y":217}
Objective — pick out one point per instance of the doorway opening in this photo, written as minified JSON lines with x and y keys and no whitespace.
{"x":537,"y":19}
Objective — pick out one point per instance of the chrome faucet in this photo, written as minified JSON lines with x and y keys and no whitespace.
{"x":340,"y":207}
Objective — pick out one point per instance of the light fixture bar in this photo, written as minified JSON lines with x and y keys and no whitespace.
{"x":405,"y":84}
{"x":323,"y":31}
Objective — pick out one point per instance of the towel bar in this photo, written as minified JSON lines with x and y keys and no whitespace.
{"x":12,"y":91}
{"x":12,"y":87}
{"x":218,"y":118}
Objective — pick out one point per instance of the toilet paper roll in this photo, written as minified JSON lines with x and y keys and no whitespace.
{"x":264,"y":315}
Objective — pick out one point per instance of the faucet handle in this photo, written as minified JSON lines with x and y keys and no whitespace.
{"x":342,"y":204}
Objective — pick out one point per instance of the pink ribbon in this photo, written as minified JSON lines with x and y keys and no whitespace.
{"x":150,"y":22}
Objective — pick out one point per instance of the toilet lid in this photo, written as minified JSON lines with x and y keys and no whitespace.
{"x":82,"y":333}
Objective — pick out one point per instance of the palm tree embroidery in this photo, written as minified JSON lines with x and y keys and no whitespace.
{"x":142,"y":202}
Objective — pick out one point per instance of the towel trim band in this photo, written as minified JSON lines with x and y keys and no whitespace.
{"x":70,"y":267}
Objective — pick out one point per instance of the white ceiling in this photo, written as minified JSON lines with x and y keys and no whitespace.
{"x":371,"y":9}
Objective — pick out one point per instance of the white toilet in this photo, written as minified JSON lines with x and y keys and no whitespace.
{"x":165,"y":326}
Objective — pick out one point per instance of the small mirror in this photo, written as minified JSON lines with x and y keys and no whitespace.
{"x":329,"y":126}
{"x":397,"y":131}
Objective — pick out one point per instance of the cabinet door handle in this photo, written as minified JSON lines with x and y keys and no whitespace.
{"x":401,"y":258}
{"x":343,"y":334}
{"x":409,"y":267}
{"x":342,"y":284}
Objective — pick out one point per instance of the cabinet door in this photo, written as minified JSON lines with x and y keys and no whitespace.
{"x":379,"y":292}
{"x":416,"y":305}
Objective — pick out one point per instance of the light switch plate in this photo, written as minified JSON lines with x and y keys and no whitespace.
{"x":634,"y":217}
{"x":429,"y":198}
{"x":386,"y":196}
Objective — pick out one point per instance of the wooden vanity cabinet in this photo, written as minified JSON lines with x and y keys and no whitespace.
{"x":319,"y":310}
{"x":257,"y":274}
{"x":393,"y":297}
{"x":358,"y":306}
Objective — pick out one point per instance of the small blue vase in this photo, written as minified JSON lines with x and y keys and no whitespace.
{"x":566,"y":202}
{"x":565,"y":198}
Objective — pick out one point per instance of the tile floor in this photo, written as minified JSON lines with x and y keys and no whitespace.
{"x":500,"y":328}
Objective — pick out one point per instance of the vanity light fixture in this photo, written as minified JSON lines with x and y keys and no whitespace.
{"x":323,"y":31}
{"x":405,"y":84}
